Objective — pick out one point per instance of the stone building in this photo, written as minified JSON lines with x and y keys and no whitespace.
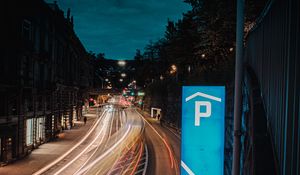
{"x":44,"y":74}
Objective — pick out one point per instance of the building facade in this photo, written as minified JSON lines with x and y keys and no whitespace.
{"x":44,"y":74}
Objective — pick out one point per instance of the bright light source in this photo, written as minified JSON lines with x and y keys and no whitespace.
{"x":121,"y":63}
{"x":121,"y":80}
{"x":106,"y":79}
{"x":123,"y":75}
{"x":203,"y":55}
{"x":161,"y":77}
{"x":173,"y":69}
{"x":189,"y":69}
{"x":141,"y":93}
{"x":134,"y":81}
{"x":231,"y":49}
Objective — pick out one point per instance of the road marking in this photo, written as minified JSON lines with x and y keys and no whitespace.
{"x":138,"y":160}
{"x":146,"y":162}
{"x":187,"y":169}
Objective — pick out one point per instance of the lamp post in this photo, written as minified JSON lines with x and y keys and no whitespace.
{"x":238,"y":87}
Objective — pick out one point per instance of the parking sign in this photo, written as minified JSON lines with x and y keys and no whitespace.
{"x":202,"y":137}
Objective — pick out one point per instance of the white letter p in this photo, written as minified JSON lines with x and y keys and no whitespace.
{"x":199,"y":114}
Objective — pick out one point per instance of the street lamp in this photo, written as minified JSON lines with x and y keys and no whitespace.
{"x":161,"y":77}
{"x":173,"y":69}
{"x":121,"y":63}
{"x":123,"y":75}
{"x":203,"y":55}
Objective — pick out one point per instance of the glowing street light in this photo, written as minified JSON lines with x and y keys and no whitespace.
{"x":173,"y":69}
{"x":203,"y":55}
{"x":121,"y":80}
{"x":121,"y":63}
{"x":123,"y":75}
{"x":106,"y":79}
{"x":161,"y":77}
{"x":231,"y":49}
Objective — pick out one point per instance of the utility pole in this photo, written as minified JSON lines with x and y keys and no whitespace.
{"x":238,"y":86}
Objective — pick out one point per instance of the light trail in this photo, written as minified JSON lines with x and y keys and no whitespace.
{"x":98,"y":146}
{"x":106,"y":152}
{"x":138,"y":160}
{"x":170,"y":153}
{"x":171,"y":156}
{"x":146,"y":162}
{"x":44,"y":169}
{"x":115,"y":134}
{"x":81,"y":153}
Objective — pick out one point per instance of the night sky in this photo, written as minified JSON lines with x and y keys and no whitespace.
{"x":119,"y":27}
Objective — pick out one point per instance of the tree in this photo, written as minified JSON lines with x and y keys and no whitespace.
{"x":100,"y":56}
{"x":138,"y":56}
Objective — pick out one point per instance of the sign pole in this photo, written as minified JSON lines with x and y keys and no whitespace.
{"x":238,"y":86}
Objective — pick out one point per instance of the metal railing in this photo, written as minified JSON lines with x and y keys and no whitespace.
{"x":272,"y":51}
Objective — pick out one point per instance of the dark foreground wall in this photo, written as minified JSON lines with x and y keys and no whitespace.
{"x":272,"y":53}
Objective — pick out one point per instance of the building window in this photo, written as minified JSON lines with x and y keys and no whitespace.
{"x":40,"y":130}
{"x":27,"y":30}
{"x":28,"y":104}
{"x":29,"y":132}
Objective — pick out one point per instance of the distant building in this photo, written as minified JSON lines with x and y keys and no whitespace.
{"x":44,"y":73}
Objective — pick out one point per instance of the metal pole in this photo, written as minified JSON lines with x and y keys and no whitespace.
{"x":238,"y":86}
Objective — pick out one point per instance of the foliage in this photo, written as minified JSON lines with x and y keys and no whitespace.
{"x":201,"y":45}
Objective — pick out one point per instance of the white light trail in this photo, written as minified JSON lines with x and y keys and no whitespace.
{"x":106,"y":152}
{"x":44,"y":169}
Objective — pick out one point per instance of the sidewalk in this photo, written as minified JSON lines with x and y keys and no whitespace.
{"x":48,"y":152}
{"x":167,"y":125}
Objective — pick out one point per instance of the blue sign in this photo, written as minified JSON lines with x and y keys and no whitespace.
{"x":202,"y":137}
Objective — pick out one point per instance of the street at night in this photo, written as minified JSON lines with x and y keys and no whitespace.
{"x":151,"y":87}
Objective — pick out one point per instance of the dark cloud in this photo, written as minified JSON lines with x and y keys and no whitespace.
{"x":118,"y":27}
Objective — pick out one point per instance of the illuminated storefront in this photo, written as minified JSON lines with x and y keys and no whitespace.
{"x":29,"y":132}
{"x":35,"y":131}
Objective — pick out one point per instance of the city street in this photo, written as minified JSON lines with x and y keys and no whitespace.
{"x":164,"y":148}
{"x":151,"y":87}
{"x":120,"y":141}
{"x":99,"y":152}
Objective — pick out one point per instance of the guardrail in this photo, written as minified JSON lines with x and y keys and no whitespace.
{"x":272,"y":52}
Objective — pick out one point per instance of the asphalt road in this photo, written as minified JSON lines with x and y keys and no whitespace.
{"x":115,"y":137}
{"x":122,"y":142}
{"x":164,"y":149}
